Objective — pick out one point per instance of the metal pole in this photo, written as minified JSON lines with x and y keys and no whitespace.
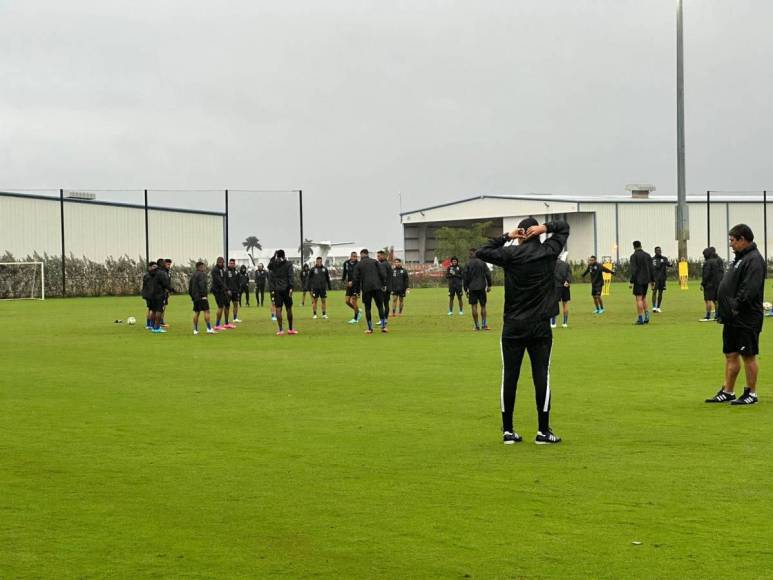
{"x":147,"y":230}
{"x":42,"y":281}
{"x":765,"y":223}
{"x":300,"y":213}
{"x":708,"y":218}
{"x":61,"y":223}
{"x":225,"y":250}
{"x":683,"y":219}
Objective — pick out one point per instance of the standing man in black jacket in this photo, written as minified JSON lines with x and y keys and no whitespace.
{"x":384,"y":263}
{"x":477,"y":285}
{"x":244,"y":284}
{"x":160,"y":289}
{"x":351,"y":290}
{"x":641,"y":278}
{"x":455,"y":277}
{"x":370,"y":277}
{"x":400,"y":285}
{"x":304,"y":283}
{"x":219,"y":290}
{"x":711,"y":276}
{"x":319,"y":282}
{"x":529,"y":305}
{"x":261,"y":275}
{"x":562,"y":277}
{"x":147,"y":287}
{"x":281,"y":286}
{"x":660,"y":265}
{"x":197,"y":290}
{"x":596,"y":272}
{"x":740,"y":298}
{"x":232,"y":286}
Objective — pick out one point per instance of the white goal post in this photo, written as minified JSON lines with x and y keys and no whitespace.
{"x":22,"y":281}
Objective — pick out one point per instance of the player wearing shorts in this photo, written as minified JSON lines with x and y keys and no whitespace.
{"x":660,"y":265}
{"x":455,"y":277}
{"x":352,"y":292}
{"x":739,"y":298}
{"x":562,"y":276}
{"x":400,"y":285}
{"x":384,"y":263}
{"x":281,"y":286}
{"x":641,"y":278}
{"x":232,"y":288}
{"x":371,"y":278}
{"x":319,"y":283}
{"x":197,"y":290}
{"x":477,"y":285}
{"x":147,"y":285}
{"x":596,"y":272}
{"x":219,"y":290}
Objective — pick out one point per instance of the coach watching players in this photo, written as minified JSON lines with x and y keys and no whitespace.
{"x":530,"y":302}
{"x":740,"y":311}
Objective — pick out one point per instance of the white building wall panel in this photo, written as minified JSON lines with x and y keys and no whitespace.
{"x":605,"y":227}
{"x":29,"y":225}
{"x":98,"y":231}
{"x":650,"y":223}
{"x":481,"y":208}
{"x":580,"y":244}
{"x":185,"y":236}
{"x":699,"y":235}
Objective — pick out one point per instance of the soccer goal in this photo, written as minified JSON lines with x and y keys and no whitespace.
{"x":22,"y":281}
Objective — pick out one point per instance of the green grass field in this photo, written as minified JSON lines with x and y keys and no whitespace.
{"x":334,"y":454}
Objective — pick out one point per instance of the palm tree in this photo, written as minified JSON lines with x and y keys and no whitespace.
{"x":251,"y":244}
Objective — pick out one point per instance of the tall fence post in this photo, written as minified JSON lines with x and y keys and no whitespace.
{"x":61,"y":224}
{"x":225,"y":249}
{"x":300,"y":213}
{"x":765,"y":223}
{"x":708,"y":218}
{"x":147,"y":230}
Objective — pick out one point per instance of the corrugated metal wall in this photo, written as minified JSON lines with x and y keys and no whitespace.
{"x":98,"y":231}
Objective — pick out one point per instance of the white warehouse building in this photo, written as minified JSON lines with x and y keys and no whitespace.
{"x":97,"y":229}
{"x":600,"y":225}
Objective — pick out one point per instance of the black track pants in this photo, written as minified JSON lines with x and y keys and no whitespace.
{"x":373,"y":296}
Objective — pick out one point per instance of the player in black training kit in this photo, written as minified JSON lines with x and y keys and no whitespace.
{"x":281,"y":286}
{"x":261,"y":276}
{"x":159,"y":291}
{"x":351,"y":290}
{"x":232,"y":286}
{"x":562,"y":277}
{"x":529,"y":304}
{"x":477,"y":285}
{"x":304,"y":283}
{"x":660,"y":265}
{"x":711,"y":276}
{"x":219,"y":290}
{"x":382,"y":260}
{"x":147,"y":286}
{"x":740,"y":298}
{"x":319,"y":283}
{"x":400,"y":285}
{"x":197,"y":290}
{"x":596,"y":272}
{"x":641,"y":278}
{"x":455,"y":276}
{"x":244,"y":285}
{"x":370,"y":277}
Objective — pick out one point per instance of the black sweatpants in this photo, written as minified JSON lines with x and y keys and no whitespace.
{"x":373,"y":296}
{"x":537,"y":340}
{"x":259,"y":292}
{"x":385,"y":299}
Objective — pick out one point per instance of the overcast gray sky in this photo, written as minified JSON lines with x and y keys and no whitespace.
{"x":356,"y":101}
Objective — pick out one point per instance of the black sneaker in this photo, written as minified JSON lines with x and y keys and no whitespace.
{"x":510,"y":437}
{"x":748,"y":398}
{"x":721,"y":397}
{"x":546,"y":438}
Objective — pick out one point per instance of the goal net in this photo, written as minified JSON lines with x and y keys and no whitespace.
{"x":22,"y":280}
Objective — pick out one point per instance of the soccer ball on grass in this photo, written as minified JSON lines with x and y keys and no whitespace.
{"x":131,"y":321}
{"x":767,"y":306}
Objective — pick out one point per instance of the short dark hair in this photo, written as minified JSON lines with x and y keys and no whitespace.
{"x":741,"y":231}
{"x":398,"y":260}
{"x":364,"y":251}
{"x":594,"y":257}
{"x":657,"y":247}
{"x":151,"y":264}
{"x":382,"y":252}
{"x":637,"y":244}
{"x":527,"y":223}
{"x":168,"y":260}
{"x":231,"y":259}
{"x":280,"y":253}
{"x":319,"y":257}
{"x":198,"y":264}
{"x":160,"y":262}
{"x":454,"y":258}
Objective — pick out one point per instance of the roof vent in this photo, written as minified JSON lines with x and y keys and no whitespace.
{"x":81,"y":195}
{"x":640,"y":190}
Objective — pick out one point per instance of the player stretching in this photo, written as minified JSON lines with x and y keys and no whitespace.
{"x":711,"y":276}
{"x":382,"y":260}
{"x":530,"y":302}
{"x":304,"y":283}
{"x":281,"y":285}
{"x":319,"y":283}
{"x":351,"y":290}
{"x":219,"y":290}
{"x":160,"y":289}
{"x":260,"y":284}
{"x":660,"y":265}
{"x":641,"y":278}
{"x":596,"y":272}
{"x":740,"y":311}
{"x":562,"y":276}
{"x":455,"y":276}
{"x":370,"y":277}
{"x":147,"y":288}
{"x":232,"y":287}
{"x":400,"y":285}
{"x":197,"y":290}
{"x":477,"y":285}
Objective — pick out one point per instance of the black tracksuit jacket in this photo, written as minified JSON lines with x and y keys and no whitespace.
{"x":244,"y":281}
{"x":740,"y":294}
{"x":596,"y":271}
{"x":400,"y":281}
{"x":711,"y":274}
{"x":197,"y":286}
{"x":260,"y":278}
{"x":562,"y":273}
{"x":387,"y":267}
{"x":477,"y":275}
{"x":232,"y":280}
{"x":281,"y":279}
{"x":162,"y":284}
{"x":218,"y":281}
{"x":660,"y":264}
{"x":348,"y":273}
{"x":529,"y":275}
{"x":369,"y":276}
{"x":147,"y":284}
{"x":641,"y":268}
{"x":455,"y":275}
{"x":319,"y":278}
